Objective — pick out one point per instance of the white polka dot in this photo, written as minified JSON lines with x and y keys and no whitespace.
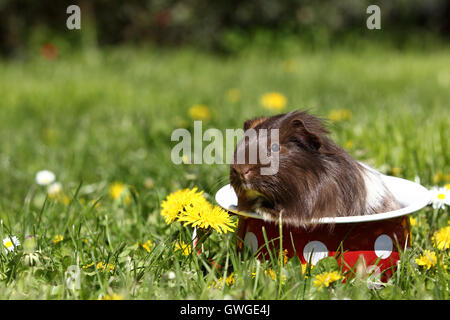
{"x":383,"y":246}
{"x":314,"y":251}
{"x":251,"y":241}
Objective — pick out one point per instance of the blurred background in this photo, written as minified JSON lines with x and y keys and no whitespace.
{"x":224,"y":26}
{"x":96,"y":107}
{"x":99,"y":104}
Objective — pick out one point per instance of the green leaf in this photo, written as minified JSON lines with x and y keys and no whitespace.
{"x":328,"y":264}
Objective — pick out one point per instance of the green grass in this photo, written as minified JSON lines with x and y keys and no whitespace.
{"x":98,"y":117}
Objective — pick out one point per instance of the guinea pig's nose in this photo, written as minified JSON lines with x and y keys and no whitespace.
{"x":245,"y":172}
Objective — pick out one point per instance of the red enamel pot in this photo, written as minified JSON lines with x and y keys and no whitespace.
{"x":375,"y":240}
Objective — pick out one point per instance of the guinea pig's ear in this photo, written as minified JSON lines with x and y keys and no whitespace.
{"x":253,"y":122}
{"x":307,"y":132}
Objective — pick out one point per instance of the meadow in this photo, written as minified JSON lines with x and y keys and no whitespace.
{"x":101,"y":121}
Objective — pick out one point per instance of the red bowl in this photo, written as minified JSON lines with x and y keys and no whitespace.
{"x":375,"y":240}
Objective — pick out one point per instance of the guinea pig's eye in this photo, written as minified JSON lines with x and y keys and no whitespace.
{"x":275,"y":147}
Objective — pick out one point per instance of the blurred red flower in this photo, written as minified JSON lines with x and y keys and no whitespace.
{"x":49,"y":51}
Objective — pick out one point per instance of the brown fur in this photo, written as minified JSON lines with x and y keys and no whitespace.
{"x":316,"y":178}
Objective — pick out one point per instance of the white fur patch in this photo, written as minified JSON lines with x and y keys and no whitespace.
{"x":375,"y":188}
{"x":265,"y":215}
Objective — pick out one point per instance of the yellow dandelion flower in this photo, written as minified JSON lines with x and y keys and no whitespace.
{"x":427,"y":260}
{"x":349,"y":144}
{"x":88,"y":265}
{"x":112,"y":296}
{"x":233,"y":95}
{"x":147,"y":245}
{"x":340,"y":114}
{"x":176,"y":203}
{"x":95,"y":203}
{"x":326,"y":278}
{"x":438,"y":177}
{"x":305,"y":268}
{"x":117,"y":189}
{"x":191,"y":215}
{"x":447,"y":186}
{"x":274,"y":101}
{"x":396,"y":171}
{"x":229,"y":281}
{"x":412,"y":221}
{"x":284,"y":254}
{"x":208,"y":216}
{"x":58,"y":238}
{"x":199,"y":112}
{"x":270,"y":273}
{"x":185,"y":248}
{"x":109,"y":266}
{"x":64,"y":199}
{"x":442,"y":238}
{"x":102,"y":266}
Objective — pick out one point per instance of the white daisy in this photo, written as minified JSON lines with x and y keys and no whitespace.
{"x":45,"y":177}
{"x":54,"y":189}
{"x":440,"y":197}
{"x":11,"y":243}
{"x":171,"y":275}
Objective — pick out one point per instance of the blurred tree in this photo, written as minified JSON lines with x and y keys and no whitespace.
{"x":206,"y":23}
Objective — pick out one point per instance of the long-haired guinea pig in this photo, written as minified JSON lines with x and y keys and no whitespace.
{"x":315,"y":177}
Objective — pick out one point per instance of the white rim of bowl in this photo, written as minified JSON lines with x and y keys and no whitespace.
{"x":416,"y":205}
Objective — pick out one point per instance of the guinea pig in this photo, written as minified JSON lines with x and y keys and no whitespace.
{"x":315,"y":177}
